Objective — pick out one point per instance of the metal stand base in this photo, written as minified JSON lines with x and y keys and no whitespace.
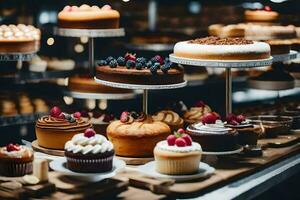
{"x":228,"y":91}
{"x":145,"y":101}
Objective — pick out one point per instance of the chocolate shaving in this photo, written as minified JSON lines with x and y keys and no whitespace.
{"x":212,"y":40}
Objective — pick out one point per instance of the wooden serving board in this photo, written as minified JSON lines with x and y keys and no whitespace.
{"x":53,"y":152}
{"x":135,"y":161}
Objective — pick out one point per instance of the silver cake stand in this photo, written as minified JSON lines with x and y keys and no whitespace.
{"x":145,"y":88}
{"x":104,"y":96}
{"x":227,"y":64}
{"x":285,"y":57}
{"x":26,"y":56}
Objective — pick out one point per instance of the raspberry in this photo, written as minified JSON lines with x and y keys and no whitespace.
{"x":171,"y":140}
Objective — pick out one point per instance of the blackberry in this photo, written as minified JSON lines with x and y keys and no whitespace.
{"x":68,"y":117}
{"x":167,"y":59}
{"x":121,"y":61}
{"x":141,"y":60}
{"x":72,"y":120}
{"x":110,"y":58}
{"x":113,"y":63}
{"x":158,"y":59}
{"x":139,"y":66}
{"x":165,"y":68}
{"x":102,"y":62}
{"x":134,"y":114}
{"x":149,"y":64}
{"x":130,"y":64}
{"x":154,"y":69}
{"x":157,"y":65}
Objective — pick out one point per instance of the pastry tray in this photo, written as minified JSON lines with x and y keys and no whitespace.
{"x":92,"y":33}
{"x":17,"y":56}
{"x":105,"y":96}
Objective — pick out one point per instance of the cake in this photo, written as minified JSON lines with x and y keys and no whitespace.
{"x":195,"y":113}
{"x":88,"y":17}
{"x":135,"y":135}
{"x":215,"y":48}
{"x":294,"y":112}
{"x":177,"y":155}
{"x":19,"y":38}
{"x":89,"y":152}
{"x":54,"y":130}
{"x":169,"y":117}
{"x":223,"y":31}
{"x":212,"y":134}
{"x":279,"y":46}
{"x":132,"y":70}
{"x":265,"y":15}
{"x":15,"y":160}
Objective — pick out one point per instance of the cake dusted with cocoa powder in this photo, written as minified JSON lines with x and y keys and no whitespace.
{"x":138,"y":70}
{"x":215,"y":48}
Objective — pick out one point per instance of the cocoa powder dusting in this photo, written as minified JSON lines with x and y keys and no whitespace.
{"x":212,"y":40}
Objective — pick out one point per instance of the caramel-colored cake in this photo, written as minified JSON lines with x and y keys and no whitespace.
{"x":136,"y":135}
{"x":88,"y":17}
{"x":169,"y":117}
{"x":215,"y":48}
{"x":266,"y":15}
{"x":54,"y":130}
{"x":195,"y":113}
{"x":132,"y":70}
{"x":279,"y":46}
{"x":19,"y":38}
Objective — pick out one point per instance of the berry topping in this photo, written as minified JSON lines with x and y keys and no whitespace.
{"x":113,"y":63}
{"x":267,"y":8}
{"x":106,"y":7}
{"x":141,"y":60}
{"x":89,"y":132}
{"x":149,"y":64}
{"x":234,"y":120}
{"x":108,"y":117}
{"x":180,"y":142}
{"x":171,"y":140}
{"x":200,"y":104}
{"x":240,"y":118}
{"x":153,"y":69}
{"x":55,"y":112}
{"x":181,"y":131}
{"x":187,"y":139}
{"x":210,"y":118}
{"x":67,"y":116}
{"x":85,"y":113}
{"x":61,"y":116}
{"x":102,"y":63}
{"x":158,"y":59}
{"x":72,"y":120}
{"x":166,"y":67}
{"x":230,"y":117}
{"x":77,"y":115}
{"x":110,"y":58}
{"x":121,"y":61}
{"x":129,"y":56}
{"x":139,"y":66}
{"x":134,"y":114}
{"x":124,"y":117}
{"x":130,"y":64}
{"x":12,"y":147}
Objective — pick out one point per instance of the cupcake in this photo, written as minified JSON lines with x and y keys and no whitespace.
{"x":169,"y":117}
{"x":194,"y":114}
{"x":89,"y":152}
{"x":177,"y":155}
{"x":15,"y":160}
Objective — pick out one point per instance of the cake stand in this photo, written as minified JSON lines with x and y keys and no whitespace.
{"x":227,"y":64}
{"x":103,"y":96}
{"x":26,"y":56}
{"x":285,"y":57}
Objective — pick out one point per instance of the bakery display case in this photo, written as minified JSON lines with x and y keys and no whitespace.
{"x":149,"y":99}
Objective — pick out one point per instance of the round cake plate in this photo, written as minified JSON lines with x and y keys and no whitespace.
{"x":141,"y":87}
{"x":91,"y":33}
{"x":59,"y":165}
{"x":223,"y":153}
{"x":17,"y":56}
{"x":53,"y":152}
{"x":285,"y":57}
{"x":105,"y":96}
{"x":135,"y":161}
{"x":221,"y":63}
{"x":150,"y":47}
{"x":295,"y":131}
{"x":271,"y":85}
{"x":149,"y":170}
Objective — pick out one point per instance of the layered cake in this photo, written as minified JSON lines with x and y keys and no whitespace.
{"x":169,"y":117}
{"x":89,"y":152}
{"x":215,"y":48}
{"x":54,"y":130}
{"x":135,"y":135}
{"x":279,"y":46}
{"x":177,"y":155}
{"x":88,"y":17}
{"x":212,"y":134}
{"x":195,"y":113}
{"x":138,"y":70}
{"x":265,"y":15}
{"x":19,"y":38}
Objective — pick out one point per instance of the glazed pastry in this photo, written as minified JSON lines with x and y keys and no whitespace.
{"x":169,"y":117}
{"x":177,"y":155}
{"x":88,"y":17}
{"x":54,"y":130}
{"x":15,"y":160}
{"x":89,"y":152}
{"x":265,"y":15}
{"x":195,"y":113}
{"x":135,"y":135}
{"x":132,"y":70}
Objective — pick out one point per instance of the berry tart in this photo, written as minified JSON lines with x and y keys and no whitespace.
{"x":212,"y":134}
{"x":15,"y":160}
{"x":88,"y":17}
{"x":135,"y":135}
{"x":177,"y":155}
{"x":138,"y":70}
{"x":195,"y":113}
{"x":54,"y":130}
{"x":89,"y":152}
{"x":264,"y":15}
{"x":169,"y":117}
{"x":248,"y":133}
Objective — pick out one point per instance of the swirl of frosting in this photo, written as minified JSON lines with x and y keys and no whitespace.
{"x":169,"y":117}
{"x":195,"y":113}
{"x":48,"y":122}
{"x":23,"y":152}
{"x":94,"y":145}
{"x":163,"y":145}
{"x":217,"y":128}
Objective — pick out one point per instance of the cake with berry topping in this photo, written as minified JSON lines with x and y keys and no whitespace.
{"x":195,"y":113}
{"x":54,"y":130}
{"x":89,"y":152}
{"x":215,"y":48}
{"x":15,"y":160}
{"x":264,"y":15}
{"x":138,"y":70}
{"x":177,"y":155}
{"x":212,"y":134}
{"x":19,"y":38}
{"x":135,"y":135}
{"x":169,"y":117}
{"x":88,"y":17}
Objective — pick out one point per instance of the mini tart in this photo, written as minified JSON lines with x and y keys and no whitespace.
{"x":215,"y":48}
{"x":16,"y":163}
{"x":194,"y":114}
{"x":174,"y":160}
{"x":279,"y":46}
{"x":261,"y":16}
{"x":169,"y":117}
{"x":89,"y":154}
{"x":88,"y":17}
{"x":137,"y":138}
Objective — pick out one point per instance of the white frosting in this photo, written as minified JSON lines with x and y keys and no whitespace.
{"x":163,"y":145}
{"x":14,"y":154}
{"x":217,"y":128}
{"x":198,"y":49}
{"x":85,"y":145}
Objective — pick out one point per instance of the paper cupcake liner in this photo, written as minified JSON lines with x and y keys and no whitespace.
{"x":15,"y":169}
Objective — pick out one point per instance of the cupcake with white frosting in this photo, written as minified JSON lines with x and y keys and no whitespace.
{"x":89,"y":152}
{"x":177,"y":155}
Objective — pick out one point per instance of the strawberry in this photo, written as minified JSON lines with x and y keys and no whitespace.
{"x":267,"y":8}
{"x":230,"y":117}
{"x":129,"y":56}
{"x":181,"y":131}
{"x":209,"y":118}
{"x":171,"y":140}
{"x":240,"y":118}
{"x":77,"y":115}
{"x":124,"y":117}
{"x":200,"y":104}
{"x":12,"y":147}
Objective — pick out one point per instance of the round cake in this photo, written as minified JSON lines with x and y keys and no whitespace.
{"x":132,"y":70}
{"x":279,"y":46}
{"x":88,"y":17}
{"x":195,"y":113}
{"x":215,"y":48}
{"x":54,"y":130}
{"x":265,"y":15}
{"x":169,"y":117}
{"x":19,"y":38}
{"x":135,"y":135}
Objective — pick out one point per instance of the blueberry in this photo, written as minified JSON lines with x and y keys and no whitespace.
{"x":130,"y":64}
{"x":167,"y":59}
{"x":102,"y":63}
{"x":149,"y":64}
{"x":121,"y":61}
{"x":110,"y":58}
{"x":113,"y":63}
{"x":141,"y":60}
{"x":157,"y":65}
{"x":72,"y":120}
{"x":165,"y":68}
{"x":139,"y":66}
{"x":68,"y":117}
{"x":154,"y":69}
